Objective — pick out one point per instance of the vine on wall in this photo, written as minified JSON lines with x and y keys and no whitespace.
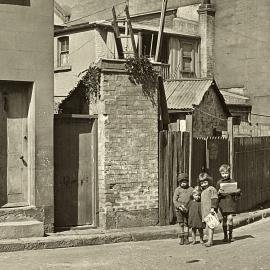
{"x":87,"y":87}
{"x":141,"y":72}
{"x":87,"y":90}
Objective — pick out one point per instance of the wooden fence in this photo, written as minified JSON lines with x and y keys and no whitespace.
{"x":251,"y":163}
{"x":251,"y":130}
{"x":173,"y":158}
{"x":208,"y":154}
{"x":252,"y":170}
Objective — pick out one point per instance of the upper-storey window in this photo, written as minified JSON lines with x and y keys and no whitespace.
{"x":187,"y":57}
{"x":184,"y":58}
{"x":63,"y":51}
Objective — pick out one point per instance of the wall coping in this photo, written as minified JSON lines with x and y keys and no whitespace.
{"x":118,"y":65}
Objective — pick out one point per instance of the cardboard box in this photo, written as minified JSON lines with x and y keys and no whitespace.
{"x":229,"y":187}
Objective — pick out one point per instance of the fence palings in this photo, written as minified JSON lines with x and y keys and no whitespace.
{"x":251,"y":165}
{"x":217,"y":149}
{"x":198,"y":159}
{"x":173,"y":158}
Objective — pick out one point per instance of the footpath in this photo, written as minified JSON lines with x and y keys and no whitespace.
{"x":87,"y":237}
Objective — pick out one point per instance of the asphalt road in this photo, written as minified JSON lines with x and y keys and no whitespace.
{"x":251,"y":250}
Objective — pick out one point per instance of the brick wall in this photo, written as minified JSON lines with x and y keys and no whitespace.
{"x":207,"y":33}
{"x":203,"y":123}
{"x":128,"y":151}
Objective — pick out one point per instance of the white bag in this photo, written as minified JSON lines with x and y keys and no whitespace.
{"x":212,"y":220}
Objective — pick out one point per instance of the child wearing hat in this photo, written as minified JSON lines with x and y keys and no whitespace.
{"x":195,"y":215}
{"x":227,"y":202}
{"x":181,"y":198}
{"x":209,"y":202}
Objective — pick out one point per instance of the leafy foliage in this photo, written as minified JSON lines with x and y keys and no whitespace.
{"x":87,"y":87}
{"x":141,"y":72}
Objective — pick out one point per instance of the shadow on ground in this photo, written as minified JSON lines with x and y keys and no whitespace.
{"x":237,"y":238}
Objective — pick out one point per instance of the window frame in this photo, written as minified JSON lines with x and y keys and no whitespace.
{"x":61,"y":52}
{"x":191,"y":57}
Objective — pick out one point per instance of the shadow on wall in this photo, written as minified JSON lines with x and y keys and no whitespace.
{"x":16,"y":2}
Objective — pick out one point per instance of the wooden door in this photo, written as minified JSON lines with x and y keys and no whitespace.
{"x":14,"y":145}
{"x":75,"y":171}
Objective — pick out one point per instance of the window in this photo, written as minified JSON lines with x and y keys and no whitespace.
{"x":149,"y":45}
{"x":63,"y":51}
{"x":183,"y":58}
{"x":187,"y":57}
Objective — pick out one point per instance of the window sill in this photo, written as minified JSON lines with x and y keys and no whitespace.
{"x":62,"y":68}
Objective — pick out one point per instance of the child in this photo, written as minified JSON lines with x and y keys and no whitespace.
{"x":181,"y":197}
{"x":227,"y":202}
{"x":195,"y":215}
{"x":209,"y":202}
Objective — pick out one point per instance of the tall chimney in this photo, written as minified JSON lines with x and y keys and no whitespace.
{"x":207,"y":32}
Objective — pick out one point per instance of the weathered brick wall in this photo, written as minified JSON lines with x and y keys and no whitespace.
{"x":128,"y":151}
{"x":207,"y":33}
{"x":203,"y":122}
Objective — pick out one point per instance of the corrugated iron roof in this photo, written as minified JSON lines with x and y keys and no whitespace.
{"x":236,"y":99}
{"x":182,"y":94}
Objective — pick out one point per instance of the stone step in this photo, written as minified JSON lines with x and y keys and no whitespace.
{"x":21,"y":229}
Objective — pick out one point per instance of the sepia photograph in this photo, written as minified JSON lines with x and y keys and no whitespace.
{"x":134,"y":134}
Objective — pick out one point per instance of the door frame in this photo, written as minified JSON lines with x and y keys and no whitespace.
{"x":29,"y":88}
{"x":95,"y":202}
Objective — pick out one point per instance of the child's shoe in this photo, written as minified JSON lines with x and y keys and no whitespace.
{"x":181,"y":240}
{"x":230,"y":239}
{"x":225,"y":239}
{"x":186,"y":241}
{"x":208,"y":244}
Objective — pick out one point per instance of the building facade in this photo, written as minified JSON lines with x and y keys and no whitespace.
{"x":26,"y":113}
{"x":242,"y":51}
{"x":78,"y":44}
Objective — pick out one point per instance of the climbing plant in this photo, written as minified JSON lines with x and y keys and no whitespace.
{"x":87,"y":87}
{"x":141,"y":72}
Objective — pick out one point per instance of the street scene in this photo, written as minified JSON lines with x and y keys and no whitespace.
{"x":134,"y":134}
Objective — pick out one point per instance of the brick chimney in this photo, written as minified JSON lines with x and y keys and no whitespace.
{"x":207,"y":32}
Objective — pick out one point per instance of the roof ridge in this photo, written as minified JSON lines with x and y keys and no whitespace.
{"x":190,"y":79}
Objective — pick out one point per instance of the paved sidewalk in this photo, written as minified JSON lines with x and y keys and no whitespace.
{"x":86,"y":237}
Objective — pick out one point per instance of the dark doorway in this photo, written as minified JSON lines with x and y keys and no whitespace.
{"x":75,"y":170}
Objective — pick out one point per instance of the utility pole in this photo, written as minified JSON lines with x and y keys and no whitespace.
{"x":161,"y":28}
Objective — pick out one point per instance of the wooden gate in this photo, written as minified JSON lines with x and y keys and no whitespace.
{"x":173,"y":158}
{"x":208,"y":154}
{"x":75,"y":170}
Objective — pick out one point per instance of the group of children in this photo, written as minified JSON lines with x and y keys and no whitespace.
{"x":193,"y":205}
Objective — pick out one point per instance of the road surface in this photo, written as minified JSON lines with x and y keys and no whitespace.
{"x":251,"y":250}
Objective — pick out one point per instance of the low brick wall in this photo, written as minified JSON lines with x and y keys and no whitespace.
{"x":128,"y":151}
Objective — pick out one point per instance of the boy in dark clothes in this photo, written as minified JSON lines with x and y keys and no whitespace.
{"x":181,"y":198}
{"x":227,"y":202}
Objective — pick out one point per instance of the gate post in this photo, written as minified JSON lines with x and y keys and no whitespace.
{"x":231,"y":145}
{"x":189,"y":128}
